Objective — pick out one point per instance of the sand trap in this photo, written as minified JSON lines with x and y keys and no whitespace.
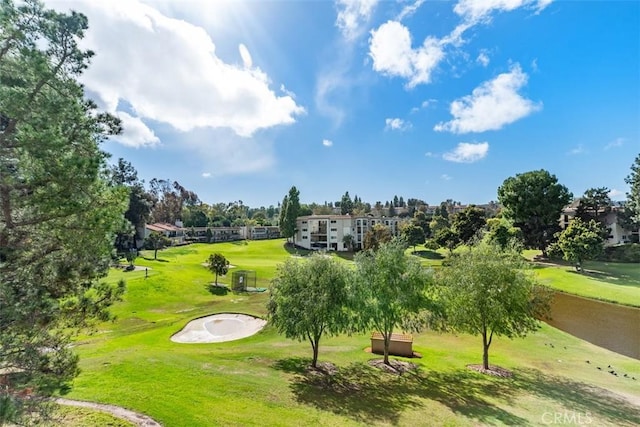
{"x":218,"y":328}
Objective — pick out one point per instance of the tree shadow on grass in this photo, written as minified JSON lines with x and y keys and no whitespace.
{"x":606,"y":277}
{"x":156,"y":259}
{"x":578,"y":397}
{"x":220,"y":289}
{"x":428,"y":254}
{"x":365,"y":394}
{"x":295,"y":250}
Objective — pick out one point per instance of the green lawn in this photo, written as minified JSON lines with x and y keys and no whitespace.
{"x":262,"y":380}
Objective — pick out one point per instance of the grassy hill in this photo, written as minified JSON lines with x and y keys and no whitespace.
{"x":262,"y":380}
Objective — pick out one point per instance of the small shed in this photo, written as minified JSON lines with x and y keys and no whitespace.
{"x":399,"y":344}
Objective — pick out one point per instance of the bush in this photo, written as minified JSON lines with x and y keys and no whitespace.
{"x":622,"y":253}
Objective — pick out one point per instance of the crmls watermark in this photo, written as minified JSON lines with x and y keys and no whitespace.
{"x":567,"y":418}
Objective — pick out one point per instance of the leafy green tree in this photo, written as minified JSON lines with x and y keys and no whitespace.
{"x":308,"y":300}
{"x":413,"y":235}
{"x":420,"y":219}
{"x":488,"y":291}
{"x":595,"y":204}
{"x":390,"y":290}
{"x":534,"y":201}
{"x":218,"y":265}
{"x":156,"y":241}
{"x":346,"y":204}
{"x":633,"y":196}
{"x":502,"y":232}
{"x":58,"y":212}
{"x":377,"y":235}
{"x":468,"y":222}
{"x":437,"y":223}
{"x":581,"y":241}
{"x":348,"y":240}
{"x":447,"y":238}
{"x":289,"y":213}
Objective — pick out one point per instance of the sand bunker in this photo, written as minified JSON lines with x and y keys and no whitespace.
{"x":218,"y":328}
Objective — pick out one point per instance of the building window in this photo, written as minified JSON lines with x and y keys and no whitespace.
{"x":334,"y":229}
{"x":333,"y":221}
{"x":334,"y":237}
{"x":305,"y":237}
{"x":304,"y":229}
{"x":304,"y":222}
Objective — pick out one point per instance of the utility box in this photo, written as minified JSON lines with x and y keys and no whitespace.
{"x":399,"y":344}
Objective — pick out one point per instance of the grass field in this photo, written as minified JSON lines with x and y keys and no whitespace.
{"x":608,"y":281}
{"x":262,"y":380}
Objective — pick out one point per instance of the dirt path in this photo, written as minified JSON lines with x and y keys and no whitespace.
{"x":117,"y":411}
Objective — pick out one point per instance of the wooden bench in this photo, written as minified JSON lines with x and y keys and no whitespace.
{"x":399,"y":344}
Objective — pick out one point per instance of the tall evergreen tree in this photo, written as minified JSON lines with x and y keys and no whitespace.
{"x":58,"y":213}
{"x":633,"y":196}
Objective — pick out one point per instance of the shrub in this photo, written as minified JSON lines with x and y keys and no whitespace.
{"x":622,"y":253}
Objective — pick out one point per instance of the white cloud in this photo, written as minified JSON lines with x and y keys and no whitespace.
{"x":483,"y":58}
{"x":353,"y":15}
{"x":167,"y":70}
{"x":327,"y":142}
{"x":392,"y":54}
{"x":396,"y":124}
{"x":245,"y":55}
{"x":491,"y":105}
{"x":429,"y":154}
{"x":467,"y":152}
{"x":615,"y":193}
{"x":480,"y":10}
{"x":409,"y":10}
{"x":577,"y":150}
{"x":206,"y":174}
{"x":618,"y":142}
{"x":445,"y":177}
{"x":135,"y":132}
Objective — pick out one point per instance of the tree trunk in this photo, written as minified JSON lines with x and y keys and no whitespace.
{"x":155,"y":254}
{"x":216,"y":278}
{"x":485,"y":350}
{"x":387,"y":338}
{"x":315,"y":344}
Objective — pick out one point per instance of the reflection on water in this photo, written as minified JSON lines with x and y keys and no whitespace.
{"x":614,"y":327}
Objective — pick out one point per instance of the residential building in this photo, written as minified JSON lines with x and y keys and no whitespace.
{"x":173,"y":232}
{"x":327,"y":232}
{"x":617,"y":233}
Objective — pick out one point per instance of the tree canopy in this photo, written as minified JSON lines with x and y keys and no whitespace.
{"x":534,"y":201}
{"x":58,"y":213}
{"x":468,"y":222}
{"x":377,"y":235}
{"x":581,"y":241}
{"x":309,"y":299}
{"x":487,"y":291}
{"x":157,"y":241}
{"x":289,"y":212}
{"x":633,"y":196}
{"x":390,"y":290}
{"x":218,"y":265}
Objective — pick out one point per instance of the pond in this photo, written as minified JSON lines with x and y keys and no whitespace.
{"x":612,"y":326}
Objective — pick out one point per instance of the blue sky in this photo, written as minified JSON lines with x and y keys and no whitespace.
{"x":435,"y":100}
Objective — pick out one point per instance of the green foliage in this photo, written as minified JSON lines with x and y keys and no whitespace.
{"x":594,"y":204}
{"x":376,"y":236}
{"x":468,"y":222}
{"x":156,"y":241}
{"x":633,"y":196}
{"x":413,"y":235}
{"x":502,"y":232}
{"x":581,"y":241}
{"x":447,"y":238}
{"x":218,"y":265}
{"x":308,"y":299}
{"x":289,"y":213}
{"x":59,"y":214}
{"x":390,"y":290}
{"x":621,"y":253}
{"x":346,"y":204}
{"x":487,"y":291}
{"x":533,"y":201}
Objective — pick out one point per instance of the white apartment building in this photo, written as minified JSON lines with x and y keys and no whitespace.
{"x":617,"y":234}
{"x":326,"y":232}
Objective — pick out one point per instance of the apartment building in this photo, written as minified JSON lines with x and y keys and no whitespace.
{"x":327,"y":232}
{"x":617,"y":233}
